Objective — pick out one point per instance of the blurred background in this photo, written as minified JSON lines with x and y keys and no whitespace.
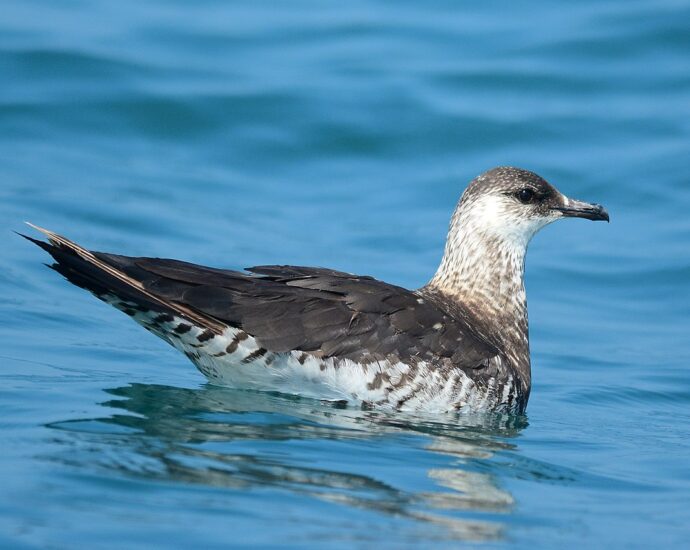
{"x":342,"y":134}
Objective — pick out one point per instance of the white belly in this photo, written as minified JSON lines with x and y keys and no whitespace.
{"x":235,"y":359}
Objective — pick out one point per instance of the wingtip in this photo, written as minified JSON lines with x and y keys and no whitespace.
{"x":53,"y":238}
{"x":39,"y":229}
{"x":21,"y":235}
{"x":38,"y":242}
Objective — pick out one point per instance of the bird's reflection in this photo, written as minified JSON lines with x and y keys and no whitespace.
{"x":234,"y":439}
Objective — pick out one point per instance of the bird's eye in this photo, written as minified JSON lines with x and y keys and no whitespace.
{"x":525,"y":195}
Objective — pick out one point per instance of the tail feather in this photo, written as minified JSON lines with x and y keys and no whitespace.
{"x":84,"y":269}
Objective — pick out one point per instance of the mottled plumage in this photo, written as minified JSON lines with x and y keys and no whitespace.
{"x":460,"y":342}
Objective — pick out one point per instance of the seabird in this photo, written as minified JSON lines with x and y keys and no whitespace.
{"x":458,"y":343}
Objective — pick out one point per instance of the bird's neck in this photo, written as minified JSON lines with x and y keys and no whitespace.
{"x":483,"y":271}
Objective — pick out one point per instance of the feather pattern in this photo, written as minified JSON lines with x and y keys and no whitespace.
{"x":312,"y":331}
{"x":459,"y":342}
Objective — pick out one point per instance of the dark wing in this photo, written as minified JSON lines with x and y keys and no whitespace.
{"x":315,"y":310}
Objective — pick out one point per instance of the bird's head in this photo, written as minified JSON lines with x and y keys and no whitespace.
{"x":510,"y":205}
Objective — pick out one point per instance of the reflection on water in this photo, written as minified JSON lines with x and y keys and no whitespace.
{"x":232,"y":440}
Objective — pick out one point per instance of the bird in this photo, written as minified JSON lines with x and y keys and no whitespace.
{"x":458,"y":343}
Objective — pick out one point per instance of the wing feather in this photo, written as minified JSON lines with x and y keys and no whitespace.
{"x":317,"y":310}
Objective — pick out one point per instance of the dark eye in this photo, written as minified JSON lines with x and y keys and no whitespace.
{"x":525,"y":195}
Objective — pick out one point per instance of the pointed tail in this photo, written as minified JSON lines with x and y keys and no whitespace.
{"x":92,"y":272}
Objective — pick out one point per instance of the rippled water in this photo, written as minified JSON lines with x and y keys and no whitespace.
{"x":341,"y":134}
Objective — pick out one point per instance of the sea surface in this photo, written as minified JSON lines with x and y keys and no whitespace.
{"x":341,"y":134}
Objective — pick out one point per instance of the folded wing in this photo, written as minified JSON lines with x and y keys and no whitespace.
{"x":319,"y":311}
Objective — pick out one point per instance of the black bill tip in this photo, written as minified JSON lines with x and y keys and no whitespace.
{"x":579,"y":209}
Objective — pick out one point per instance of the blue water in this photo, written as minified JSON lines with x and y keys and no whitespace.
{"x":342,"y":134}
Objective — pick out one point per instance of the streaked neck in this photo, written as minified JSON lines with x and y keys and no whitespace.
{"x":486,"y":275}
{"x":483,"y":270}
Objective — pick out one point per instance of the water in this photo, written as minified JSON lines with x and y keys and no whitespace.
{"x":341,"y":134}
